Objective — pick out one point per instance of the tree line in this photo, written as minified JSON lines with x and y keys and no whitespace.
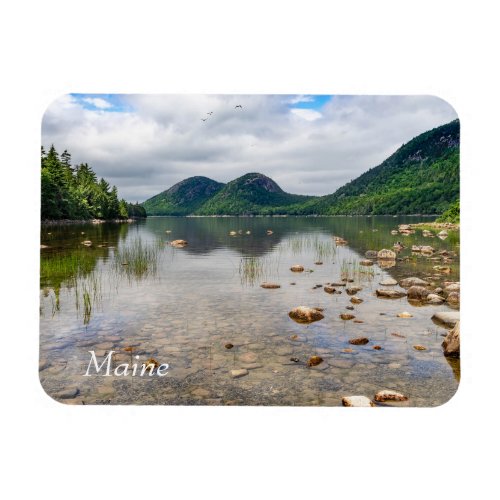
{"x":74,"y":192}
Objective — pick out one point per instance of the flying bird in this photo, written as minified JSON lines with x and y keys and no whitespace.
{"x":238,"y":106}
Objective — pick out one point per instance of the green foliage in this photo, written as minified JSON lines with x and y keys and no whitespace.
{"x":184,"y":198}
{"x":73,"y":192}
{"x":452,"y":214}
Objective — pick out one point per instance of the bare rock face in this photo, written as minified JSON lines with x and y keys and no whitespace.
{"x":297,"y":268}
{"x":178,"y":243}
{"x":386,"y":254}
{"x":451,"y":343}
{"x":390,"y":293}
{"x":357,"y":401}
{"x":408,"y":282}
{"x":417,"y":292}
{"x":387,"y":395}
{"x":303,"y":314}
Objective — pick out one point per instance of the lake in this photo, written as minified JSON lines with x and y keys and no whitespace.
{"x":129,"y":291}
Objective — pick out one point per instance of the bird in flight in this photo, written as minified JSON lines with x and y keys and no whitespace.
{"x":238,"y":106}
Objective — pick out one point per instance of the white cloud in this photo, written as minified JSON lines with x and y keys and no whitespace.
{"x":300,"y":98}
{"x":163,"y":139}
{"x":98,"y":102}
{"x":307,"y":114}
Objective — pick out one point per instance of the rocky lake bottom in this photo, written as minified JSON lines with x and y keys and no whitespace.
{"x":200,"y":307}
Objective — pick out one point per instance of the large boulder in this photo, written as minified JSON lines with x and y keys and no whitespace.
{"x":386,"y":254}
{"x":413,"y":281}
{"x":303,"y":314}
{"x":451,"y":343}
{"x":390,"y":293}
{"x":417,"y":292}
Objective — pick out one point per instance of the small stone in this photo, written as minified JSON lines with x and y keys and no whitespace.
{"x":178,"y":243}
{"x":408,"y":282}
{"x":390,"y":294}
{"x":229,"y":345}
{"x":248,"y":357}
{"x":451,"y":344}
{"x":352,"y":290}
{"x":239,"y":373}
{"x":346,"y":316}
{"x":365,"y":262}
{"x":356,"y":300}
{"x":358,"y":321}
{"x":371,"y":254}
{"x":386,"y":254}
{"x":359,"y":341}
{"x":387,"y":395}
{"x":200,"y":392}
{"x":329,"y":289}
{"x":377,"y":347}
{"x":357,"y":401}
{"x":433,"y":298}
{"x":297,"y":268}
{"x":319,"y":263}
{"x":270,"y":285}
{"x":350,"y":308}
{"x":405,"y":315}
{"x":295,"y":360}
{"x":448,"y":318}
{"x":68,"y":393}
{"x":315,"y":361}
{"x":419,"y":348}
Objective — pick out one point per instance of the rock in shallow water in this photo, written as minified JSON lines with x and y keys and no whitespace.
{"x":359,"y":341}
{"x":408,"y":282}
{"x":297,"y":268}
{"x":270,"y":285}
{"x":451,"y":344}
{"x":387,"y":395}
{"x":390,"y":294}
{"x":447,"y":318}
{"x":357,"y":401}
{"x":303,"y":314}
{"x":68,"y":393}
{"x":239,"y":373}
{"x":389,"y":282}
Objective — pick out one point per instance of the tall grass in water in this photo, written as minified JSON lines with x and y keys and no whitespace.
{"x":323,"y":249}
{"x":350,"y":269}
{"x":257,"y":269}
{"x":137,"y":259}
{"x":88,"y":294}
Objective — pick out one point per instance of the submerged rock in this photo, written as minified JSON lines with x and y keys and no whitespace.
{"x":419,"y":347}
{"x":357,"y":402}
{"x":239,"y":373}
{"x":303,"y":314}
{"x":356,"y":300}
{"x":353,"y":290}
{"x":387,"y":395}
{"x":297,"y":268}
{"x":452,"y":286}
{"x":365,"y":262}
{"x":314,"y":361}
{"x":68,"y":393}
{"x":390,"y":294}
{"x":405,"y":315}
{"x":329,"y":289}
{"x":453,"y":298}
{"x":347,"y":316}
{"x":359,"y":341}
{"x":451,"y":343}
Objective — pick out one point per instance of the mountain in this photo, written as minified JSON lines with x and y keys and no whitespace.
{"x":422,"y":176}
{"x":251,"y":194}
{"x":184,"y":198}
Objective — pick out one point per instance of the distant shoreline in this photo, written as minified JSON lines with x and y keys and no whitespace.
{"x":63,"y":222}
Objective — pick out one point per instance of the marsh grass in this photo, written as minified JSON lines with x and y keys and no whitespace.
{"x":352,"y":269}
{"x":137,"y":259}
{"x":323,"y":249}
{"x":253,"y":269}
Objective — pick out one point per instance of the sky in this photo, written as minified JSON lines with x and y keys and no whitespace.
{"x":309,"y":144}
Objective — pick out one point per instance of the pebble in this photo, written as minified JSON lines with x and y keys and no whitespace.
{"x":387,"y":395}
{"x":357,"y":401}
{"x":67,"y":393}
{"x":239,"y":373}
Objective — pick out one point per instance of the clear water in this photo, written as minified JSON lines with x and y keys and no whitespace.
{"x":182,"y":305}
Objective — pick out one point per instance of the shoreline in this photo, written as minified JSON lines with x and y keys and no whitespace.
{"x":63,"y":222}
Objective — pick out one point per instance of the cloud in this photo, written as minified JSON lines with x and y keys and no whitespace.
{"x":300,"y":98}
{"x":97,"y":102}
{"x":307,"y":114}
{"x":158,"y":140}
